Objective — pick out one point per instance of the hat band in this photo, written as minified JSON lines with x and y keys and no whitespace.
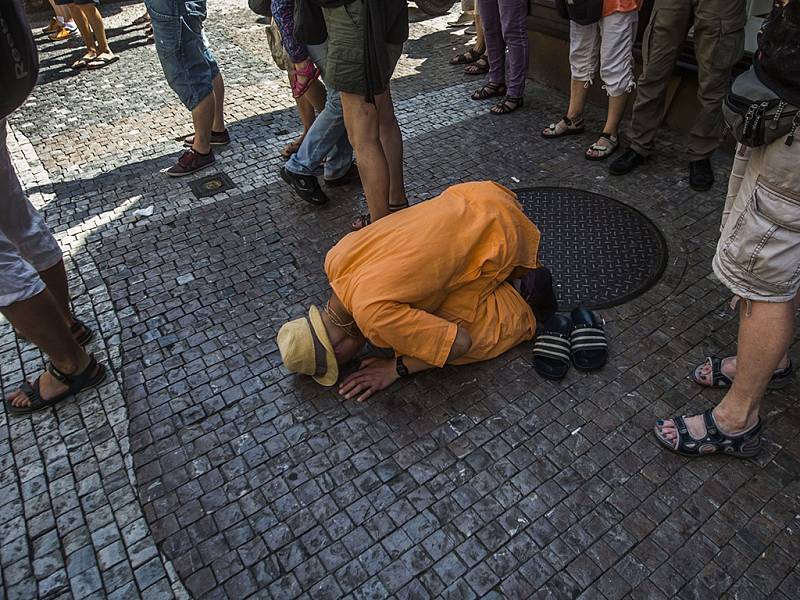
{"x":320,"y":355}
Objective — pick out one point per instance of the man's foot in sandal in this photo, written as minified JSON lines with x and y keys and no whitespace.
{"x":704,"y":434}
{"x":588,"y":342}
{"x":364,"y":220}
{"x":603,"y":147}
{"x":470,"y":56}
{"x":565,"y":126}
{"x":102,"y":60}
{"x":507,"y":105}
{"x":489,"y":90}
{"x":83,"y":61}
{"x":81,"y":331}
{"x":479,"y":67}
{"x":551,"y":348}
{"x":53,"y":386}
{"x":719,"y":373}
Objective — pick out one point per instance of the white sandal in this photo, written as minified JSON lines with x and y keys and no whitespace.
{"x":603,"y":152}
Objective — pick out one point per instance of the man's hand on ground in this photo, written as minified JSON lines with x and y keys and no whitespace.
{"x":373,"y":375}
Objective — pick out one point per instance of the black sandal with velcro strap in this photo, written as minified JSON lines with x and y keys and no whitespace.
{"x":780,"y":378}
{"x":551,"y":348}
{"x":588,"y":341}
{"x":81,"y":331}
{"x":92,"y":376}
{"x":740,"y":445}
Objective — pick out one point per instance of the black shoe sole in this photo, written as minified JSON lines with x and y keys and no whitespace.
{"x":618,"y":172}
{"x":703,"y":188}
{"x":190,"y":172}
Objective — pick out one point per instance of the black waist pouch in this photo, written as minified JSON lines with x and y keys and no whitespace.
{"x":757,"y":116}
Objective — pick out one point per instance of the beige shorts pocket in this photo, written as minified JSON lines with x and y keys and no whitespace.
{"x":764,"y":243}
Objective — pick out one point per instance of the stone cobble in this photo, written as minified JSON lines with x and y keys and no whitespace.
{"x":203,"y":469}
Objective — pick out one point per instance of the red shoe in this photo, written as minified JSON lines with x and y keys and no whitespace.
{"x":190,"y":162}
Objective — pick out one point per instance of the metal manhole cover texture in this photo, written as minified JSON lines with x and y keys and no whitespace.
{"x":207,"y":186}
{"x":601,"y":252}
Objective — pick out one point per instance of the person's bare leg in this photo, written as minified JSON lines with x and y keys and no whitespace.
{"x":40,"y":320}
{"x":61,"y":11}
{"x":203,"y":119}
{"x":578,"y":92}
{"x":764,"y":338}
{"x":86,"y":31}
{"x":362,"y":122}
{"x":219,"y":103}
{"x":55,"y":278}
{"x":392,"y":143}
{"x":316,"y":92}
{"x":95,"y":20}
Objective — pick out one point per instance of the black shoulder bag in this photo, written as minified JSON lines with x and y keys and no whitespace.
{"x":309,"y":23}
{"x":19,"y":61}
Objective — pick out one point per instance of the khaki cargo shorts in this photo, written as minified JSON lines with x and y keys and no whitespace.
{"x":758,"y":254}
{"x":345,"y":63}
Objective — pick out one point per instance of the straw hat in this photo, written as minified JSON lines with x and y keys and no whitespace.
{"x":306,"y":348}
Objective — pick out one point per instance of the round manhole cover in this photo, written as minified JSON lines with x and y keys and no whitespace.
{"x":601,"y":252}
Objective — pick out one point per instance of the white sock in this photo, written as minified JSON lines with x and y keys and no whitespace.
{"x":60,"y":20}
{"x":70,"y":26}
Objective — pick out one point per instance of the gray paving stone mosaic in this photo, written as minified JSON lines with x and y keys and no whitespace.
{"x":203,"y":469}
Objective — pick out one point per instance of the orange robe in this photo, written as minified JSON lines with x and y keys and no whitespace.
{"x":412,"y":277}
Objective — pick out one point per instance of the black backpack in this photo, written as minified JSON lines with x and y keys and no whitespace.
{"x":19,"y":61}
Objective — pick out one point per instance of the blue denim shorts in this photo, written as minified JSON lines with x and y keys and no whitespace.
{"x":182,"y":47}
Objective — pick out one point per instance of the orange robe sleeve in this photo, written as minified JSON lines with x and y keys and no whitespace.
{"x":408,"y":331}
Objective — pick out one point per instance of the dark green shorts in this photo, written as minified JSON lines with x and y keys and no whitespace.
{"x":345,"y":64}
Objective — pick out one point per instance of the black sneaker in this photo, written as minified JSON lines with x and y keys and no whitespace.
{"x":701,"y":175}
{"x":626,"y":162}
{"x":190,"y":162}
{"x":351,"y":176}
{"x":218,"y":138}
{"x":306,"y":186}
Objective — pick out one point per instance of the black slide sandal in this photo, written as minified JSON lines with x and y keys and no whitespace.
{"x":551,"y":348}
{"x":588,"y":340}
{"x":93,"y":375}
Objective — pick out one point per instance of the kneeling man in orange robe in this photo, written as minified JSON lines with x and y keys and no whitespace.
{"x":453,"y":280}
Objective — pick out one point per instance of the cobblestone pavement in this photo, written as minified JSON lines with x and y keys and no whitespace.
{"x":202,"y":469}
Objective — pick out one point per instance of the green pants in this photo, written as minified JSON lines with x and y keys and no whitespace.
{"x":345,"y":63}
{"x":718,"y":42}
